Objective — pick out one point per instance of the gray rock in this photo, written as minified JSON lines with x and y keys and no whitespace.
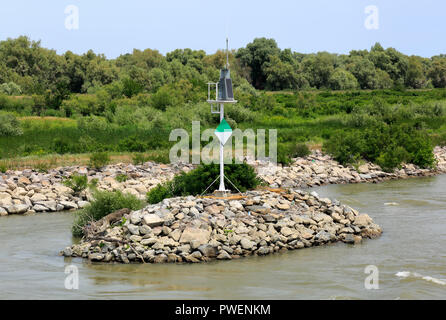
{"x":152,"y":220}
{"x":52,"y":205}
{"x":133,"y":229}
{"x":145,"y":229}
{"x":68,"y":205}
{"x":3,"y":212}
{"x":208,"y":251}
{"x":323,"y":236}
{"x":82,"y":204}
{"x":67,"y":252}
{"x":223,"y":255}
{"x":191,"y":233}
{"x":258,"y":209}
{"x":17,"y":208}
{"x":39,"y":208}
{"x":149,"y":242}
{"x":363,"y":220}
{"x":246,"y":244}
{"x":96,"y":257}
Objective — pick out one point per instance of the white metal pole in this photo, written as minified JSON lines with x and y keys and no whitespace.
{"x":222,"y":169}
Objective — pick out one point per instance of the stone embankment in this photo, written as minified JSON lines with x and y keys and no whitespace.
{"x":191,"y":229}
{"x":320,"y":169}
{"x":29,"y":191}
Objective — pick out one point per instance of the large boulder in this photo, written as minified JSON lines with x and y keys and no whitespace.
{"x":152,"y":220}
{"x":191,"y":233}
{"x":18,"y":208}
{"x":363,"y":220}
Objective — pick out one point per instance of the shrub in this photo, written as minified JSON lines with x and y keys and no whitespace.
{"x":9,"y":125}
{"x":392,"y":158}
{"x":61,"y":146}
{"x":10,"y":89}
{"x":92,"y":123}
{"x":196,"y":181}
{"x":283,"y":154}
{"x":138,"y":158}
{"x":345,"y":146}
{"x":99,"y":159}
{"x":159,"y":193}
{"x":104,"y":203}
{"x":3,"y":168}
{"x":132,"y":144}
{"x":300,"y":150}
{"x":76,"y":182}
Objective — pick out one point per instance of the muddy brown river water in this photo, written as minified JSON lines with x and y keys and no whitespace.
{"x":410,"y":257}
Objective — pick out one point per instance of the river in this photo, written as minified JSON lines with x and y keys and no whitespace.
{"x":410,"y":257}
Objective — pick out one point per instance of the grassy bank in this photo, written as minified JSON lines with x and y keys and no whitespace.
{"x":350,"y":124}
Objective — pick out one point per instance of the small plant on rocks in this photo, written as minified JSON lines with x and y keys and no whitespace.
{"x":104,"y":203}
{"x":76,"y":182}
{"x":99,"y":159}
{"x":121,"y":177}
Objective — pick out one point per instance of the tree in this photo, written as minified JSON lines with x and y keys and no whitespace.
{"x":281,"y":75}
{"x":415,"y":77}
{"x":363,"y":70}
{"x":341,"y":79}
{"x":382,"y":80}
{"x":10,"y":89}
{"x":255,"y":55}
{"x":438,"y":72}
{"x":318,"y":69}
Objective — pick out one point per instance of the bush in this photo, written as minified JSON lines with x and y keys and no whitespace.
{"x":9,"y":125}
{"x":104,"y":203}
{"x":10,"y":89}
{"x":392,"y":158}
{"x":99,"y":159}
{"x":132,"y":144}
{"x":300,"y":150}
{"x":138,"y":158}
{"x":283,"y":154}
{"x":196,"y":181}
{"x":61,"y":146}
{"x":76,"y":182}
{"x":345,"y":146}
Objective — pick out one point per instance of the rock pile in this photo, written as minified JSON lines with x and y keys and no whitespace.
{"x":320,"y":169}
{"x":190,"y":229}
{"x":30,"y":191}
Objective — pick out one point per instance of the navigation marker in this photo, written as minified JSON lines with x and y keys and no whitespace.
{"x":223,"y":132}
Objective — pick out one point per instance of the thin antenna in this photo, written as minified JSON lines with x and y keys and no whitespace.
{"x":227,"y":53}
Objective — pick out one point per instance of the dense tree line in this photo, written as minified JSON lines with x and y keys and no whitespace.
{"x":29,"y":69}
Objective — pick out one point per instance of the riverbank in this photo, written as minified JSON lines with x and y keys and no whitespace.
{"x":320,"y":169}
{"x":29,"y":191}
{"x":191,"y":229}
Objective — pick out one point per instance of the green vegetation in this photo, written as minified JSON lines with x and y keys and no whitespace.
{"x":198,"y":180}
{"x":76,"y":182}
{"x":74,"y":104}
{"x":121,"y":177}
{"x":99,"y":159}
{"x":104,"y":203}
{"x":9,"y":125}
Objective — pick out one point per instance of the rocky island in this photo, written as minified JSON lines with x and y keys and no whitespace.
{"x":191,"y":229}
